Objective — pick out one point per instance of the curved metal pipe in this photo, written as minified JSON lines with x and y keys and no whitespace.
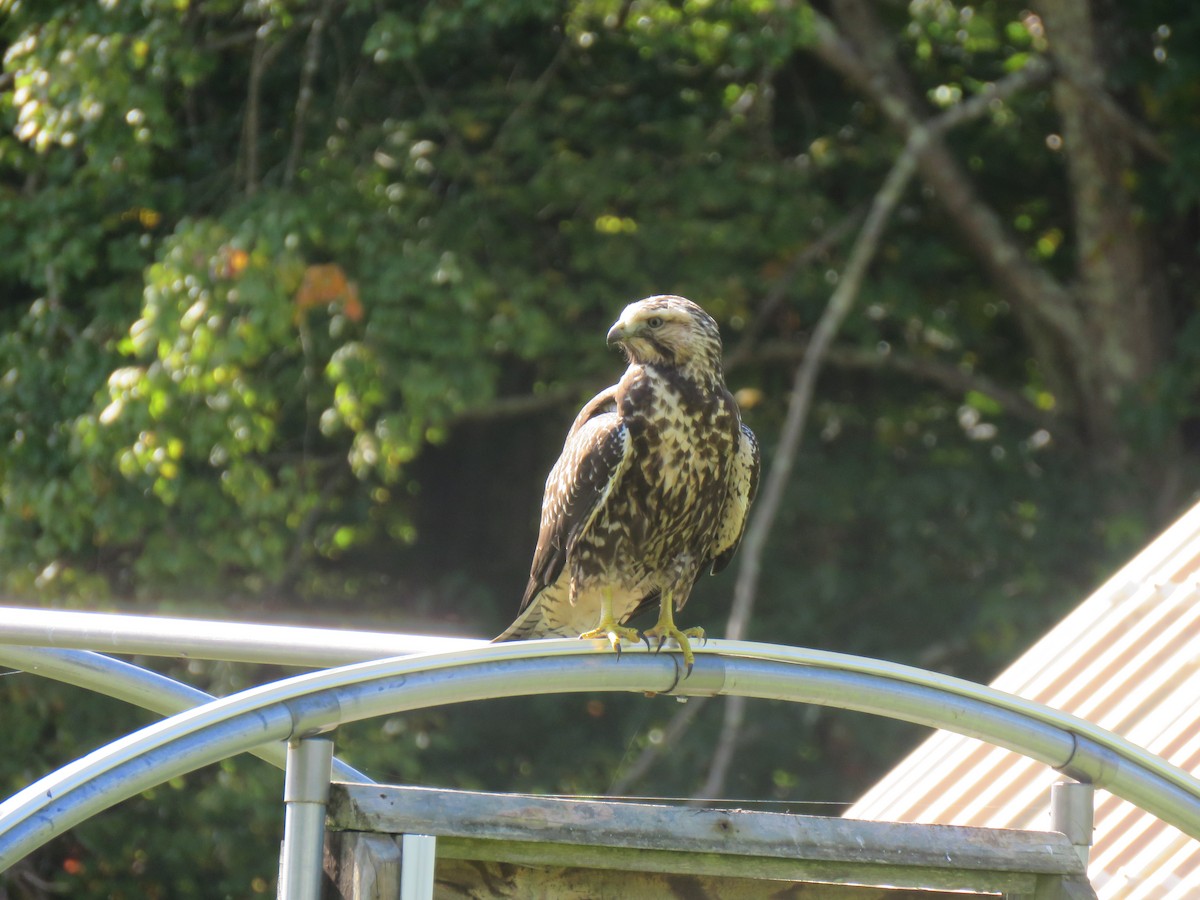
{"x":291,"y":645}
{"x":320,"y":699}
{"x":139,"y":687}
{"x":284,"y":645}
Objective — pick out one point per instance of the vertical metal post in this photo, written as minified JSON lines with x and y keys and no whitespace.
{"x":305,"y":795}
{"x":418,"y":854}
{"x":1072,"y":807}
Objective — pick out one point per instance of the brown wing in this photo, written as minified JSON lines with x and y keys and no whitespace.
{"x":603,"y":402}
{"x":595,"y":454}
{"x":743,"y":486}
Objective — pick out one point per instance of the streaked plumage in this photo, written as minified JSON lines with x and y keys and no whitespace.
{"x":652,"y":488}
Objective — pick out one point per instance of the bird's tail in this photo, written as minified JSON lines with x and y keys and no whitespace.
{"x":526,"y":626}
{"x":545,"y":612}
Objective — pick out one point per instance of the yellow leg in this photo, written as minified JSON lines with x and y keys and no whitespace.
{"x":665,"y":628}
{"x":608,"y":628}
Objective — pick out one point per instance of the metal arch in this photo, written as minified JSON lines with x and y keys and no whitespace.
{"x":309,"y":702}
{"x":300,"y":646}
{"x":138,"y":687}
{"x":284,"y":645}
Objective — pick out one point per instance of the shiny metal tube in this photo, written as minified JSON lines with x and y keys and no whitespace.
{"x":137,"y":686}
{"x":289,"y":645}
{"x":298,"y":705}
{"x":305,"y":796}
{"x":283,"y":645}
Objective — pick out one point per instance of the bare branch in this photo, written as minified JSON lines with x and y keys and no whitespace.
{"x":1134,"y":130}
{"x":260,"y":60}
{"x":535,"y":91}
{"x":337,"y":480}
{"x":807,"y":255}
{"x":251,"y":126}
{"x":246,"y":36}
{"x":312,"y":59}
{"x":1005,"y":259}
{"x":435,"y":107}
{"x":746,"y":352}
{"x":944,"y":374}
{"x":521,"y":405}
{"x":804,"y":383}
{"x":1035,"y":72}
{"x":674,"y":731}
{"x":767,"y":506}
{"x":920,"y":137}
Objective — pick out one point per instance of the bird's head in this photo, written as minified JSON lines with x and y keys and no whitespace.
{"x":669,"y":331}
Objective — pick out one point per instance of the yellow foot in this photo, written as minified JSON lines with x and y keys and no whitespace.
{"x":613,"y":633}
{"x":667,"y":630}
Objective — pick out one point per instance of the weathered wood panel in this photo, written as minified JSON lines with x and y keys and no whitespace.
{"x":366,"y":867}
{"x":505,"y":845}
{"x":361,"y":866}
{"x":728,"y":865}
{"x":476,"y":880}
{"x":517,"y":817}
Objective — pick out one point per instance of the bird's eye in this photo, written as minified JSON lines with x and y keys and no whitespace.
{"x":655,"y":322}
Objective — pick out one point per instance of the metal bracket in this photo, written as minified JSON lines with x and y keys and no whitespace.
{"x":305,"y":796}
{"x":1072,"y":808}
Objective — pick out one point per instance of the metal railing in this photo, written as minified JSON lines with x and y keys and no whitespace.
{"x":305,"y":705}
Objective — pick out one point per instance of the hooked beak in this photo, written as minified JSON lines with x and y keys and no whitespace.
{"x":616,"y":334}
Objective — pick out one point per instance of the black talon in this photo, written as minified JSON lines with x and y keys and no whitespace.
{"x":675,"y":668}
{"x":647,"y":640}
{"x":689,"y":671}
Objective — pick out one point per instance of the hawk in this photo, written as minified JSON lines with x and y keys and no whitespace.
{"x":652,"y":488}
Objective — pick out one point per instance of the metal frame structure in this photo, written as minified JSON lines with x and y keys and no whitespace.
{"x":299,"y":708}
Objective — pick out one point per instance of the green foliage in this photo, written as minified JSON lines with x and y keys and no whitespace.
{"x":270,"y":282}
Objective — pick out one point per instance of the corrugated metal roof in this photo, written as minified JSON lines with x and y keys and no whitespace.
{"x":1127,"y":659}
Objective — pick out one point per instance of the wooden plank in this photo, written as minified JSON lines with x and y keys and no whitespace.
{"x":706,"y":864}
{"x":513,"y":817}
{"x":361,"y":866}
{"x":475,"y":880}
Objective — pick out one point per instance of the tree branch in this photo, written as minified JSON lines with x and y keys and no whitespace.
{"x":953,"y":378}
{"x":944,"y":374}
{"x":535,"y":91}
{"x":251,"y":125}
{"x":435,"y":108}
{"x":805,"y":257}
{"x":521,"y":405}
{"x":745,"y":353}
{"x":1026,"y":283}
{"x":337,"y":481}
{"x":260,"y":59}
{"x":767,"y":506}
{"x":1035,"y":72}
{"x":312,"y":59}
{"x":920,"y":137}
{"x":672,"y":734}
{"x":1134,"y":130}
